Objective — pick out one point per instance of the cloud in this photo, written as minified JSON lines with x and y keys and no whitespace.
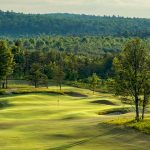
{"x":138,"y":8}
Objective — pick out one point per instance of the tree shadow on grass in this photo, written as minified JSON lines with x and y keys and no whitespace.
{"x":111,"y":133}
{"x":67,"y":146}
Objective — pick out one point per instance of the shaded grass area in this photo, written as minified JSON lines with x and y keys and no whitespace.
{"x":51,"y":121}
{"x":16,"y":89}
{"x":29,"y":90}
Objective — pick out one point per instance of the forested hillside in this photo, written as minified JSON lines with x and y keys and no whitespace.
{"x":19,"y":24}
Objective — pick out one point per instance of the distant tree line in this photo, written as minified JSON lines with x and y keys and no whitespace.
{"x":19,"y":24}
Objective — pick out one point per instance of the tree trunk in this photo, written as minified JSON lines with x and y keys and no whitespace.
{"x":3,"y":85}
{"x":144,"y":104}
{"x":60,"y":86}
{"x":93,"y":91}
{"x":93,"y":88}
{"x":143,"y":112}
{"x":35,"y":84}
{"x":6,"y":81}
{"x":137,"y":108}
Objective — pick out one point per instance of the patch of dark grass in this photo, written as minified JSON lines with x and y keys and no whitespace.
{"x":105,"y":102}
{"x":75,"y":94}
{"x":68,"y":146}
{"x":38,"y":91}
{"x":60,"y":136}
{"x":70,"y":117}
{"x":4,"y":104}
{"x":5,"y":126}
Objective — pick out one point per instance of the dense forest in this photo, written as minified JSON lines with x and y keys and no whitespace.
{"x":19,"y":24}
{"x":78,"y":57}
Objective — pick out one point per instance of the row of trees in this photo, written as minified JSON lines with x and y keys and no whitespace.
{"x":37,"y":77}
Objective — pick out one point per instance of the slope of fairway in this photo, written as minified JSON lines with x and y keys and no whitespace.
{"x":61,"y":122}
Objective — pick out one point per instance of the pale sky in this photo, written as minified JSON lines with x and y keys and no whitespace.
{"x":130,"y":8}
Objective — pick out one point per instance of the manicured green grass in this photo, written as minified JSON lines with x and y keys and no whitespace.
{"x":50,"y":121}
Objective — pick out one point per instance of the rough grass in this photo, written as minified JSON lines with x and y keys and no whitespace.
{"x":51,"y":121}
{"x":143,"y":126}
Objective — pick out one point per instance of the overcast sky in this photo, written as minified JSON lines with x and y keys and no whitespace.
{"x":131,"y":8}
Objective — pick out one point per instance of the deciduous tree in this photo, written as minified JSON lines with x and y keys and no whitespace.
{"x":129,"y":67}
{"x":94,"y":80}
{"x":58,"y":75}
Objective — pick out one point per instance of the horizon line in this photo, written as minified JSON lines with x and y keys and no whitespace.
{"x":71,"y":13}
